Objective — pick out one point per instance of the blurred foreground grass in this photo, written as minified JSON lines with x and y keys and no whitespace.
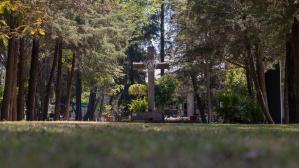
{"x":72,"y":145}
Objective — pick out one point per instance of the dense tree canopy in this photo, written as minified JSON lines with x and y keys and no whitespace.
{"x":58,"y":55}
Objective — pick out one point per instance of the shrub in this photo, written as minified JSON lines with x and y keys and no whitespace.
{"x":237,"y":108}
{"x":165,"y":89}
{"x":138,"y":106}
{"x":138,"y":90}
{"x":234,"y":103}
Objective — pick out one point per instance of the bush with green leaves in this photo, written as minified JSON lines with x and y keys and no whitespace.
{"x":138,"y":90}
{"x":234,"y":103}
{"x":237,"y":108}
{"x":165,"y":89}
{"x":138,"y":106}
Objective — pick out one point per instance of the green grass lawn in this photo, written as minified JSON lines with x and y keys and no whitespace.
{"x":147,"y":145}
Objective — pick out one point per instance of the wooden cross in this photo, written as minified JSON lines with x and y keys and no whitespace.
{"x":151,"y":66}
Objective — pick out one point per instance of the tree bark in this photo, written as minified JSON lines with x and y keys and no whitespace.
{"x":288,"y":78}
{"x":69,"y":89}
{"x":102,"y":103}
{"x":258,"y":76}
{"x":58,"y":85}
{"x":198,"y":99}
{"x":21,"y":82}
{"x":162,"y":29}
{"x":50,"y":81}
{"x":292,"y":71}
{"x":9,"y":77}
{"x":209,"y":91}
{"x":78,"y":96}
{"x":33,"y":81}
{"x":13,"y":101}
{"x":43,"y":68}
{"x":249,"y":82}
{"x":91,"y":106}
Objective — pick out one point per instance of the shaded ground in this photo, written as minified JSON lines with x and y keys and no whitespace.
{"x":147,"y":145}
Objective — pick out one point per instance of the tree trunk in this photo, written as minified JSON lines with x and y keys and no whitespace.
{"x":5,"y":109}
{"x":6,"y":103}
{"x":58,"y":85}
{"x":69,"y":89}
{"x":288,"y":78}
{"x":292,"y":71}
{"x":102,"y":103}
{"x":9,"y":77}
{"x":43,"y":70}
{"x":258,"y":76}
{"x":50,"y":81}
{"x":198,"y":99}
{"x":249,"y":82}
{"x":91,"y":106}
{"x":162,"y":29}
{"x":209,"y":91}
{"x":33,"y":81}
{"x":21,"y":82}
{"x":13,"y":101}
{"x":78,"y":96}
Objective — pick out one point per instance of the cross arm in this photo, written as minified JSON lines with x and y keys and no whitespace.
{"x":138,"y":66}
{"x":163,"y":65}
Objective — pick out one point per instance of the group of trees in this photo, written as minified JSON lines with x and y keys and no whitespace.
{"x":252,"y":34}
{"x":54,"y":51}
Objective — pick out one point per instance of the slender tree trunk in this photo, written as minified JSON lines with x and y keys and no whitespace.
{"x":21,"y":82}
{"x":41,"y":87}
{"x":209,"y":92}
{"x":162,"y":29}
{"x":69,"y":89}
{"x":102,"y":103}
{"x":261,"y":76}
{"x":9,"y":78}
{"x":258,"y":76}
{"x":288,"y":79}
{"x":91,"y":106}
{"x":78,"y":96}
{"x":13,"y":101}
{"x":198,"y":99}
{"x":58,"y":85}
{"x":249,"y":82}
{"x":33,"y":81}
{"x":292,"y":73}
{"x":50,"y":81}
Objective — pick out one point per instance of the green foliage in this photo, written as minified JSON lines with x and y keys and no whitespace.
{"x":115,"y":90}
{"x":98,"y":31}
{"x":234,"y":103}
{"x":85,"y":97}
{"x":108,"y":110}
{"x":138,"y":106}
{"x":235,"y":80}
{"x":29,"y":17}
{"x":235,"y":107}
{"x":142,"y":36}
{"x":138,"y":12}
{"x":138,"y":90}
{"x":67,"y":56}
{"x":165,"y":89}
